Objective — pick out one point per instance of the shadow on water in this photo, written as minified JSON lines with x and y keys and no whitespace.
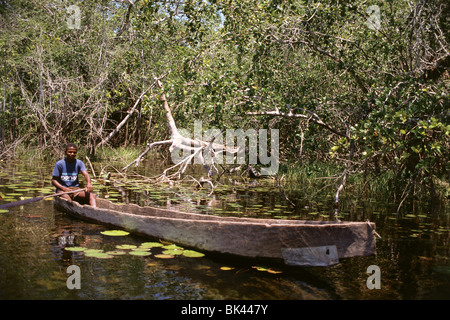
{"x":412,"y":255}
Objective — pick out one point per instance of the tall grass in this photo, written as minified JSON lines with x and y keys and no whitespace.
{"x":308,"y":177}
{"x":25,"y":153}
{"x":118,"y":156}
{"x":323,"y":178}
{"x":317,"y":180}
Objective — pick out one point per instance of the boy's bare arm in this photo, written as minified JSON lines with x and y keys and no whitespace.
{"x":59,"y":186}
{"x":89,"y":187}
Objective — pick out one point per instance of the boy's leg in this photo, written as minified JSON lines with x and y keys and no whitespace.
{"x":92,"y":199}
{"x":66,"y":196}
{"x":88,"y":197}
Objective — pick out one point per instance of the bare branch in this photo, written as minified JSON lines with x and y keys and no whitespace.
{"x":313,"y":117}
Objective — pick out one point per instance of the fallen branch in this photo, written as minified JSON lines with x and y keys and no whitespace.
{"x":121,"y":124}
{"x":130,"y":113}
{"x":194,"y":147}
{"x":92,"y":168}
{"x":150,"y":145}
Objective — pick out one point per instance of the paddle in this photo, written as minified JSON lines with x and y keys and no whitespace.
{"x":26,"y":201}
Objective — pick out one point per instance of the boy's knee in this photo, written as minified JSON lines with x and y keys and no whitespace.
{"x":66,"y":196}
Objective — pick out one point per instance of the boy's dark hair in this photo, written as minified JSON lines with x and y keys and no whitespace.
{"x":71,"y":145}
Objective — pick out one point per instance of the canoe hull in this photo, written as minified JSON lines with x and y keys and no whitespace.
{"x":302,"y":243}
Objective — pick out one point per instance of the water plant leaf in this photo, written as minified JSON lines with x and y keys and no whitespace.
{"x":126,"y":246}
{"x":99,"y":255}
{"x":140,"y":249}
{"x":259,"y":268}
{"x":192,"y":254}
{"x":151,"y":244}
{"x":226,"y":268}
{"x":91,"y":251}
{"x":274,"y":271}
{"x":12,"y":194}
{"x":115,"y":233}
{"x":75,"y":248}
{"x":164,"y":256}
{"x":139,"y":253}
{"x":172,"y":247}
{"x":116,"y":252}
{"x":173,"y":252}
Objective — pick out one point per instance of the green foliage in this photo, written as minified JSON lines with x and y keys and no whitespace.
{"x":380,"y":90}
{"x":410,"y":130}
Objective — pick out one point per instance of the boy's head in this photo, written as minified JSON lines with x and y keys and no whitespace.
{"x":71,"y":151}
{"x":71,"y":145}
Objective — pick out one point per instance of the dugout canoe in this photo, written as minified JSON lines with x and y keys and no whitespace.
{"x":295,"y":242}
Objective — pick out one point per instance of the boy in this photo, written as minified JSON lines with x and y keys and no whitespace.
{"x":65,"y":176}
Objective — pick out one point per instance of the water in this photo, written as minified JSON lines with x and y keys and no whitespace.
{"x":413,"y":253}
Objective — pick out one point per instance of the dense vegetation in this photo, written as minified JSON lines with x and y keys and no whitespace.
{"x":363,"y":86}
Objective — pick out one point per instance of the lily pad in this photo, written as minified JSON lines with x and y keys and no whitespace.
{"x":75,"y":248}
{"x":139,"y":253}
{"x":91,"y":251}
{"x":192,"y":254}
{"x":172,"y":247}
{"x":140,"y":249}
{"x":164,"y":256}
{"x":99,"y":255}
{"x":226,"y":268}
{"x":173,"y":252}
{"x":12,"y":194}
{"x":151,"y":244}
{"x":259,"y":268}
{"x":116,"y":252}
{"x":126,"y":246}
{"x":274,"y":271}
{"x":115,"y":233}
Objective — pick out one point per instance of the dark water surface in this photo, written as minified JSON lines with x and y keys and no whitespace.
{"x":413,"y":254}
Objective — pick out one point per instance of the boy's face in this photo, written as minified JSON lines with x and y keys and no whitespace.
{"x":71,"y":153}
